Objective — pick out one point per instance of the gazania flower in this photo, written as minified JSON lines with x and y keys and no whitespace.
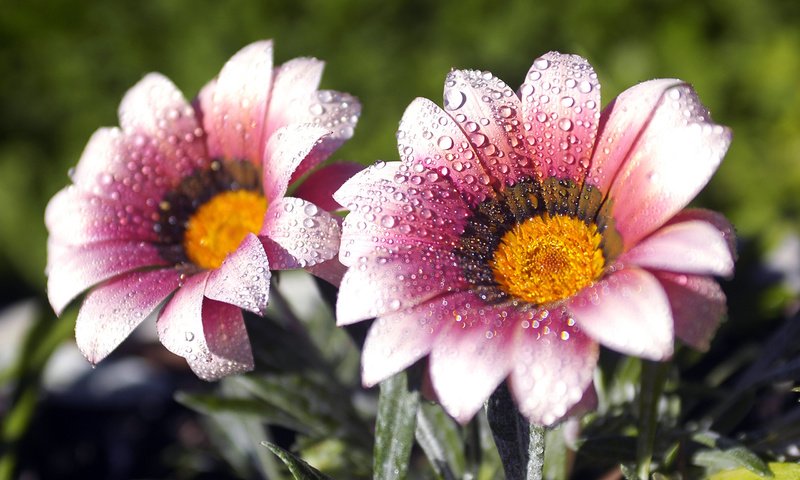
{"x":522,"y":229}
{"x":187,"y":205}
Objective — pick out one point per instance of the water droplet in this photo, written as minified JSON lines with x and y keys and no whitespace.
{"x":565,"y":124}
{"x":478,"y":139}
{"x":310,"y":209}
{"x":585,"y":86}
{"x":189,"y":336}
{"x":505,"y":111}
{"x":541,"y":63}
{"x":388,"y":221}
{"x":316,"y":109}
{"x":454,"y":99}
{"x":567,"y":102}
{"x":445,"y":142}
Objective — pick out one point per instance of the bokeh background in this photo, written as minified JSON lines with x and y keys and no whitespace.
{"x":65,"y":65}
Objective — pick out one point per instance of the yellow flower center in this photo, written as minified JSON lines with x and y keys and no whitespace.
{"x":219,"y":226}
{"x":545,"y":259}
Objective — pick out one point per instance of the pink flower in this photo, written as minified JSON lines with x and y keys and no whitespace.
{"x":520,"y":230}
{"x":187,"y":205}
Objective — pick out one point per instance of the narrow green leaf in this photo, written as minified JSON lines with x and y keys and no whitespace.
{"x":556,"y":466}
{"x":439,"y":438}
{"x":732,"y":458}
{"x":519,"y":443}
{"x":781,"y":471}
{"x":394,"y":428}
{"x":299,"y":469}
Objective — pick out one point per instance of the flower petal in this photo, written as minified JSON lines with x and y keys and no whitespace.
{"x":622,"y":123}
{"x":76,"y":217}
{"x":379,"y":284}
{"x":234,"y":105}
{"x":295,"y":82}
{"x":298,"y":234}
{"x":243,"y":277}
{"x":472,"y":354}
{"x":397,"y":340}
{"x":111,"y":311}
{"x":716,"y":219}
{"x":672,"y":159}
{"x":319,"y":187}
{"x":332,"y":271}
{"x":209,"y":334}
{"x":489,"y":113}
{"x":285,"y":150}
{"x":561,"y":111}
{"x":412,"y":210}
{"x":156,"y":116}
{"x":71,"y":270}
{"x":430,"y":139}
{"x":629,"y":312}
{"x":553,"y":366}
{"x":698,"y":306}
{"x":335,"y":111}
{"x":692,"y":246}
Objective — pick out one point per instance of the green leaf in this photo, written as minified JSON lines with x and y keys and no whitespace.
{"x":394,"y":428}
{"x":441,"y":441}
{"x":781,"y":471}
{"x":519,"y":443}
{"x":652,"y":383}
{"x":299,"y":469}
{"x":732,"y":458}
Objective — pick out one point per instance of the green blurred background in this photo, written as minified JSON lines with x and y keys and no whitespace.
{"x":65,"y":66}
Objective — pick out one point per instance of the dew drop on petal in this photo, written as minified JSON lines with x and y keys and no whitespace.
{"x":454,"y":99}
{"x":445,"y":142}
{"x":565,"y":124}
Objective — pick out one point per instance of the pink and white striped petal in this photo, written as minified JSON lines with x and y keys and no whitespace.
{"x":429,"y":139}
{"x":553,"y":365}
{"x":698,"y":306}
{"x":629,"y":312}
{"x":155,"y":114}
{"x":243,"y":278}
{"x":379,"y":284}
{"x":397,"y":340}
{"x":111,"y":311}
{"x":299,"y":234}
{"x":71,"y":270}
{"x":319,"y":187}
{"x":293,"y":85}
{"x":337,"y":112}
{"x":692,"y":246}
{"x":284,"y":152}
{"x":472,"y":353}
{"x":209,"y":334}
{"x":234,"y":105}
{"x":624,"y":121}
{"x":561,"y":112}
{"x":332,"y":271}
{"x":672,"y":159}
{"x":489,"y":113}
{"x":716,"y":219}
{"x":76,"y":217}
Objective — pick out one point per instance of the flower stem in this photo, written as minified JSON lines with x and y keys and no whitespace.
{"x":519,"y":443}
{"x":652,"y":379}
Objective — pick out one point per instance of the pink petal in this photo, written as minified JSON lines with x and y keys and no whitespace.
{"x":382,"y":283}
{"x":554,"y":365}
{"x":332,"y":271}
{"x":411,"y":210}
{"x":692,"y":246}
{"x":209,"y":334}
{"x":129,"y":169}
{"x":295,"y":82}
{"x":672,"y":159}
{"x":76,"y":217}
{"x":429,"y":139}
{"x":111,"y":311}
{"x":716,"y":219}
{"x":622,"y":123}
{"x":698,"y":305}
{"x":285,"y":150}
{"x":243,"y":278}
{"x":298,"y":234}
{"x":319,"y":186}
{"x":489,"y":113}
{"x":154,"y":114}
{"x":397,"y":340}
{"x":561,"y":105}
{"x":629,"y":312}
{"x":71,"y":270}
{"x":334,"y":111}
{"x":472,"y":354}
{"x":234,"y":105}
